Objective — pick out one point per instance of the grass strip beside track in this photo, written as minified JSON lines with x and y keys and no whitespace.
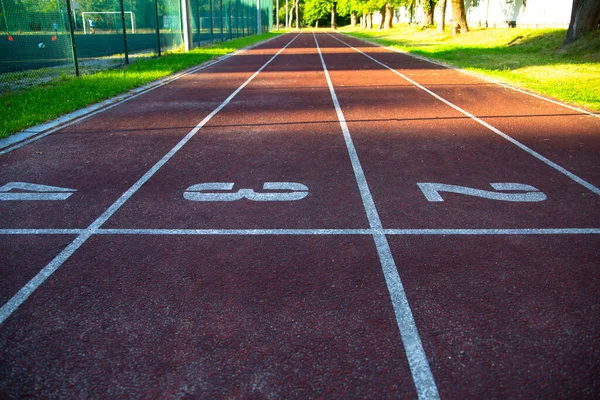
{"x":27,"y":108}
{"x":528,"y":58}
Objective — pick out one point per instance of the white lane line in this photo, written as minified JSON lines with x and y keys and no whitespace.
{"x":32,"y":134}
{"x":18,"y":299}
{"x":240,"y":232}
{"x":482,"y":77}
{"x":417,"y":359}
{"x":519,"y":231}
{"x":41,"y":231}
{"x":532,"y":152}
{"x":406,"y":232}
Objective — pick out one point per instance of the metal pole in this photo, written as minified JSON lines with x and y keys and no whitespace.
{"x":157,"y":28}
{"x":258,"y":17}
{"x":230,"y":22}
{"x":70,"y":13}
{"x":124,"y":33}
{"x":212,"y":21}
{"x":185,"y":25}
{"x":277,"y":14}
{"x":198,"y":20}
{"x":221,"y":7}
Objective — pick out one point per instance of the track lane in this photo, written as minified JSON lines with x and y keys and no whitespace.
{"x":398,"y":127}
{"x":495,"y":313}
{"x":105,"y":154}
{"x":282,"y":315}
{"x":22,"y":295}
{"x":567,"y":137}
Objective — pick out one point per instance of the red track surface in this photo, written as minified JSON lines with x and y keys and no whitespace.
{"x":166,"y":297}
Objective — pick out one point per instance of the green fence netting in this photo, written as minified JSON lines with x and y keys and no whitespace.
{"x":40,"y":40}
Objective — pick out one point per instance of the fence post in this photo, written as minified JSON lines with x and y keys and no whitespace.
{"x":230,"y":22}
{"x":212,"y":22}
{"x":124,"y":32}
{"x":258,"y":17}
{"x":198,"y":21}
{"x":157,"y":28}
{"x":222,"y":21}
{"x":73,"y":46}
{"x":185,"y":24}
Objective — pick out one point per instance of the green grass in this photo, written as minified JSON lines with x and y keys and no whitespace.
{"x":528,"y":58}
{"x":26,"y":108}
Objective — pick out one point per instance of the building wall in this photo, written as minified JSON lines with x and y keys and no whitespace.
{"x":498,"y":13}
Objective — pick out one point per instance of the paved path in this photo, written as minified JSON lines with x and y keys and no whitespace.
{"x":316,"y":217}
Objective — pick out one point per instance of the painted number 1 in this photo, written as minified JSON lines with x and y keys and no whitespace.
{"x":529,"y":194}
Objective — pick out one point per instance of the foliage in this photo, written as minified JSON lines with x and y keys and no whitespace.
{"x":315,"y":10}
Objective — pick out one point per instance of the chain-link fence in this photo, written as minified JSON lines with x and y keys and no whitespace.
{"x":44,"y":39}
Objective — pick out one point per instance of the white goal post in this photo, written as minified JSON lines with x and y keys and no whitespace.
{"x":131,"y":14}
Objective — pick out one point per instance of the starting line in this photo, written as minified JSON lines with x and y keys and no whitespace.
{"x":316,"y":232}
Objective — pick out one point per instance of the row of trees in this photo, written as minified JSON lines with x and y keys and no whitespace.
{"x":585,"y":16}
{"x":312,"y":11}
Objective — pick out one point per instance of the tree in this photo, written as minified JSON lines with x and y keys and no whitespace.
{"x":442,"y":21}
{"x":314,"y":10}
{"x":428,"y":9}
{"x":459,"y":17}
{"x":585,"y":16}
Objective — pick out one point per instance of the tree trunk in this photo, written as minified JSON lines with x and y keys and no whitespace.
{"x":382,"y":13}
{"x":442,"y":21}
{"x":585,"y":17}
{"x":333,"y":9}
{"x":291,"y":15}
{"x":428,"y":8}
{"x":353,"y":20}
{"x":297,"y":15}
{"x":316,"y":24}
{"x":369,"y":21}
{"x":389,"y":16}
{"x":459,"y":17}
{"x":363,"y":21}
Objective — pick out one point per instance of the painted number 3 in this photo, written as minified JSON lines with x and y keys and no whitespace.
{"x":222,"y":191}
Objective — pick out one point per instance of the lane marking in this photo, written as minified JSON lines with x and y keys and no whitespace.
{"x":241,"y":232}
{"x":35,"y":133}
{"x":35,"y":191}
{"x":41,"y":231}
{"x":482,"y":77}
{"x":19,"y":298}
{"x":532,"y":194}
{"x":206,"y":192}
{"x":417,"y":359}
{"x":407,"y":232}
{"x":532,"y":152}
{"x":501,"y":231}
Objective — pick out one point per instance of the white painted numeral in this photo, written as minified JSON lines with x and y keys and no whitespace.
{"x":532,"y":194}
{"x":33,"y":192}
{"x":214,"y":191}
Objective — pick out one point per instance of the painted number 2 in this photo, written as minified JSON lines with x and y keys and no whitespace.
{"x":529,"y":193}
{"x":222,"y":191}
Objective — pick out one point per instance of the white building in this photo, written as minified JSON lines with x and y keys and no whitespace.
{"x":498,"y":13}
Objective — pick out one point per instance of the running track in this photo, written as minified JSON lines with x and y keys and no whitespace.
{"x":311,"y":218}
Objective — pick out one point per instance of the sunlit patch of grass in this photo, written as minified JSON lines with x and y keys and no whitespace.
{"x":26,"y":108}
{"x":529,"y":58}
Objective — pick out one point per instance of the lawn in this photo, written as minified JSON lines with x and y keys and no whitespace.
{"x":528,"y":58}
